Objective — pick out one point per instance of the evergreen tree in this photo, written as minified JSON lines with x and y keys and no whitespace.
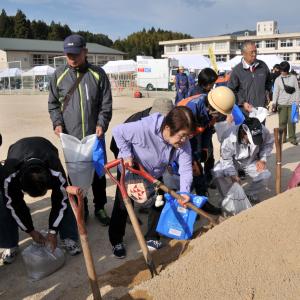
{"x":39,"y":30}
{"x":21,"y":26}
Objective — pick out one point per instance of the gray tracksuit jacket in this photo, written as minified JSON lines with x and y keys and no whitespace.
{"x":250,"y":86}
{"x":89,"y":106}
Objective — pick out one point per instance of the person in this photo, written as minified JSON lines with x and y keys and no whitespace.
{"x":32,"y":166}
{"x":250,"y":80}
{"x":191,"y":82}
{"x":244,"y":147}
{"x":182,"y":85}
{"x":154,"y":142}
{"x":88,"y":110}
{"x":282,"y":101}
{"x":223,"y":78}
{"x":208,"y":107}
{"x":274,"y":74}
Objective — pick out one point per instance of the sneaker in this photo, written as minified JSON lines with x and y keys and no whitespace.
{"x":9,"y":255}
{"x":119,"y":250}
{"x":71,"y":246}
{"x":103,"y":218}
{"x":154,"y":245}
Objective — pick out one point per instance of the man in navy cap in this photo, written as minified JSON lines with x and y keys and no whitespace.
{"x":80,"y":104}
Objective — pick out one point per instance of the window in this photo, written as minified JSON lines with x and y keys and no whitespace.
{"x":298,"y":56}
{"x":102,"y":60}
{"x":221,"y":57}
{"x":170,"y":49}
{"x":286,"y":43}
{"x":286,"y":56}
{"x":270,"y":44}
{"x":258,"y":44}
{"x":298,"y":43}
{"x":91,"y":59}
{"x":195,"y":47}
{"x":206,"y":46}
{"x":221,"y":45}
{"x":38,"y":59}
{"x":182,"y":48}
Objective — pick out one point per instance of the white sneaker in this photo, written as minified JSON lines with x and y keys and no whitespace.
{"x":9,"y":255}
{"x":71,"y":246}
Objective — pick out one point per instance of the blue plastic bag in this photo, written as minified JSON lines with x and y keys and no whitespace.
{"x":99,"y":156}
{"x":177,"y":222}
{"x":238,"y":115}
{"x":295,"y":113}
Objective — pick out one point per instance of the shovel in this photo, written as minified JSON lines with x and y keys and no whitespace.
{"x":278,"y":132}
{"x":131,"y":214}
{"x":159,"y":185}
{"x":78,"y":209}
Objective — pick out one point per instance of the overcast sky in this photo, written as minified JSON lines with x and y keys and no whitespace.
{"x":200,"y":18}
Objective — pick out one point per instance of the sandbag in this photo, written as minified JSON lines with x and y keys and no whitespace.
{"x":177,"y":222}
{"x":79,"y":159}
{"x":99,"y":156}
{"x":235,"y":200}
{"x":294,"y":113}
{"x":41,"y":262}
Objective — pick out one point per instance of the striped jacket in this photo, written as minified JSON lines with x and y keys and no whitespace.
{"x":89,"y":106}
{"x":24,"y":150}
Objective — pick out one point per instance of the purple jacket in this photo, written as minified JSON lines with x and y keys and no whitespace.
{"x":143,"y":141}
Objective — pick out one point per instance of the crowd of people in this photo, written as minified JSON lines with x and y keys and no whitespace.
{"x":168,"y":140}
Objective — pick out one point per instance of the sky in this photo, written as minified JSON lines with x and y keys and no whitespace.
{"x":199,"y":18}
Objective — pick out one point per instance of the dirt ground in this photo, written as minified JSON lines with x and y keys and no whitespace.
{"x":23,"y":116}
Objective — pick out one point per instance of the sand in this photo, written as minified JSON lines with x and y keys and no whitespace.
{"x":254,"y":255}
{"x":250,"y":256}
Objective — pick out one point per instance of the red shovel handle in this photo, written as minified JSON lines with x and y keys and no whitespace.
{"x":77,"y":206}
{"x":121,"y":183}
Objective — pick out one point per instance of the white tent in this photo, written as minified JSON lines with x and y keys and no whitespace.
{"x":39,"y":71}
{"x":13,"y":72}
{"x":269,"y":59}
{"x":120,"y":66}
{"x":192,"y":61}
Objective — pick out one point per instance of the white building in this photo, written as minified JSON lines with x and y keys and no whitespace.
{"x":27,"y":53}
{"x":268,"y":41}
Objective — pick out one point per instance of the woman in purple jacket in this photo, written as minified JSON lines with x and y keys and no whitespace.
{"x":154,"y":142}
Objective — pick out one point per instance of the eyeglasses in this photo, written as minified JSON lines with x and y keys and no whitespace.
{"x":184,"y":137}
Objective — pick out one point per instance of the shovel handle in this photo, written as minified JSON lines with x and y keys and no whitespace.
{"x":77,"y":206}
{"x":113,"y":163}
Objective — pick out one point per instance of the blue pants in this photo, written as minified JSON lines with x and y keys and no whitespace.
{"x":9,"y":232}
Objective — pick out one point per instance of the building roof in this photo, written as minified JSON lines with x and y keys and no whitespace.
{"x":13,"y":44}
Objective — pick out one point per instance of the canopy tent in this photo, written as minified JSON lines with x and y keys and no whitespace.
{"x":192,"y":61}
{"x":120,"y":66}
{"x":39,"y":71}
{"x":13,"y":72}
{"x":269,"y":59}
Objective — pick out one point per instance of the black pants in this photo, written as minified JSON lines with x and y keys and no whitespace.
{"x":99,"y":191}
{"x":118,"y":219}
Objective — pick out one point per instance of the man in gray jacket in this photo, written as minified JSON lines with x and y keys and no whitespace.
{"x":250,"y":80}
{"x":88,"y":109}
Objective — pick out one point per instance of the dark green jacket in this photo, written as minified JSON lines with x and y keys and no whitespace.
{"x":89,"y":106}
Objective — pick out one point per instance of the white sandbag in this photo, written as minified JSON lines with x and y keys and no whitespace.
{"x":79,"y":159}
{"x":259,"y":113}
{"x":41,"y":262}
{"x":235,"y":200}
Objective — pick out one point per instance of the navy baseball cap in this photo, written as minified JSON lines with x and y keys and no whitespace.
{"x":254,"y":130}
{"x":74,"y":43}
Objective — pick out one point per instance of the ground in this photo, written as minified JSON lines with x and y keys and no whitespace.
{"x":25,"y":115}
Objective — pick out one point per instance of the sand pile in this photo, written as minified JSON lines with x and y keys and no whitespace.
{"x":255,"y":255}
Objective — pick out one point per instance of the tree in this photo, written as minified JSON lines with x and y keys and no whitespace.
{"x":40,"y":30}
{"x":21,"y":26}
{"x":57,"y":32}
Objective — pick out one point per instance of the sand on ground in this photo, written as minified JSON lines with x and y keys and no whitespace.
{"x":23,"y":116}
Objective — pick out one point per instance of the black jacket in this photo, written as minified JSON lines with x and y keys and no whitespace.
{"x":18,"y":154}
{"x":250,"y":86}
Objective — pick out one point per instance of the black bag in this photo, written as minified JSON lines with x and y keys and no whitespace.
{"x":288,"y":89}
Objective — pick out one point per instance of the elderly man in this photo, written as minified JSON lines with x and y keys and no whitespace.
{"x":250,"y":80}
{"x":80,"y":104}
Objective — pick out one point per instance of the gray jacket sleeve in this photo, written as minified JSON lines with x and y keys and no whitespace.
{"x":226,"y":159}
{"x":276,"y":90}
{"x":105,"y":111}
{"x":54,"y":106}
